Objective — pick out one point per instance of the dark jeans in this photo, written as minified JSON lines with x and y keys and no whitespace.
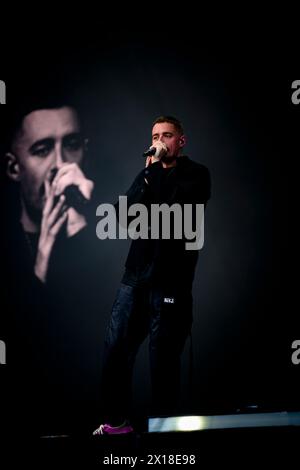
{"x":138,"y":311}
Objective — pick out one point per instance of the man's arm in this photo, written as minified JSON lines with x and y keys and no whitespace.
{"x":188,"y":184}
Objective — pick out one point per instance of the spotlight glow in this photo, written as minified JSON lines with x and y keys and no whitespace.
{"x":190,"y":423}
{"x":200,"y":423}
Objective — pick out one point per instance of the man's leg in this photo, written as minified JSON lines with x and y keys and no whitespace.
{"x":127,"y":328}
{"x":171,"y":320}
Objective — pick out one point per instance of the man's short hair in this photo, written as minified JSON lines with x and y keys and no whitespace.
{"x":33,"y":96}
{"x":172,"y":120}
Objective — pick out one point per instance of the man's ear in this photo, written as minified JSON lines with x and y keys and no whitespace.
{"x":182,"y":140}
{"x":12,"y":167}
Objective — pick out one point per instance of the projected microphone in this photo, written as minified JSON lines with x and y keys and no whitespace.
{"x":74,"y":198}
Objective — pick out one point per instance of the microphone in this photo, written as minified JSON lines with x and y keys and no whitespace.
{"x":159,"y":150}
{"x":150,"y":152}
{"x":73,"y":196}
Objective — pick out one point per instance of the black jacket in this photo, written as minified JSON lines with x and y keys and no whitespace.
{"x":166,"y":261}
{"x":51,"y":331}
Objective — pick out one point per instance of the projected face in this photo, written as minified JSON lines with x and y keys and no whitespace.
{"x":47,"y":139}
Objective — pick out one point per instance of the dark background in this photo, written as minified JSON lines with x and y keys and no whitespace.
{"x":238,"y":117}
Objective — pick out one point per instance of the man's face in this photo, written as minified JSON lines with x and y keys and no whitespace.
{"x":167,"y":133}
{"x":47,"y":139}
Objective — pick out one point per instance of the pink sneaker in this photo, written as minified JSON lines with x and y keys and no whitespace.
{"x":124,"y":428}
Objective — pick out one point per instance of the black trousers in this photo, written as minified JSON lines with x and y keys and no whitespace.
{"x":164,"y":314}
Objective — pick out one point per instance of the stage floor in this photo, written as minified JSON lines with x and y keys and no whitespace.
{"x":236,"y":447}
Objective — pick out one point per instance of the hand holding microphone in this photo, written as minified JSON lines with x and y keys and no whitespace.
{"x":74,"y":197}
{"x":71,"y":182}
{"x":155,"y":152}
{"x":67,"y":191}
